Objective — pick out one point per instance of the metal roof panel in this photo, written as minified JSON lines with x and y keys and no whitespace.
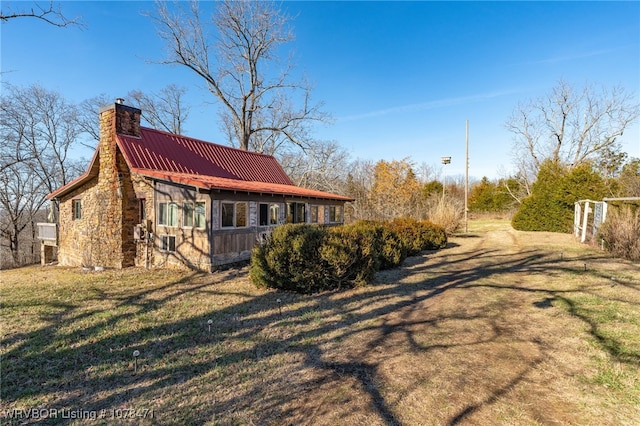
{"x":162,"y":151}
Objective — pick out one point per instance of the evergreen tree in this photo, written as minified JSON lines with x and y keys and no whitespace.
{"x":551,"y":203}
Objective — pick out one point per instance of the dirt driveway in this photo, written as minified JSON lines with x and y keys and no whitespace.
{"x":496,"y":329}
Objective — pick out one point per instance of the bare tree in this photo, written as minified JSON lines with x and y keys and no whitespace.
{"x":358,"y":186}
{"x":38,"y":130}
{"x":165,"y":110}
{"x":21,"y":199}
{"x":235,"y":53}
{"x":570,"y":126}
{"x":40,"y":127}
{"x":50,"y":14}
{"x":324,"y":166}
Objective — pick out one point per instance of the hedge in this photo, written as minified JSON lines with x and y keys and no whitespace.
{"x":310,"y":258}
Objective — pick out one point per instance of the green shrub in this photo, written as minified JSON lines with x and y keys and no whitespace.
{"x":392,"y":251}
{"x":407,"y":232}
{"x":389,"y":247}
{"x":309,"y":259}
{"x":350,"y":256}
{"x":433,"y":236}
{"x":418,"y":236}
{"x":550,"y":207}
{"x":289,"y":259}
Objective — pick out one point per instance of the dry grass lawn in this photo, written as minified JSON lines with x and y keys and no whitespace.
{"x":502,"y":327}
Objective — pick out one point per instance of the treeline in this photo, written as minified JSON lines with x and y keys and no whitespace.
{"x":40,"y":131}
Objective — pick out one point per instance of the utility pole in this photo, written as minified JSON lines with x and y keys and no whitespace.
{"x":466,"y":182}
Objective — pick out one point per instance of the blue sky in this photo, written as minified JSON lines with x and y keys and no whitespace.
{"x":399,"y":78}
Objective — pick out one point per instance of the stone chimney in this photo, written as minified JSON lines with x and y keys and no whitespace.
{"x":114,"y":194}
{"x":126,"y":119}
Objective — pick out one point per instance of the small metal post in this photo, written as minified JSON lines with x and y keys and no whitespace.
{"x":279,"y":306}
{"x":209,"y":323}
{"x":136,"y":354}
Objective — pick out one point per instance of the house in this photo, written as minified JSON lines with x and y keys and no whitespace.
{"x":154,"y":199}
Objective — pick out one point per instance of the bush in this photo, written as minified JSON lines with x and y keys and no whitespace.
{"x":621,"y":233}
{"x":390,"y":249}
{"x":407,"y":232}
{"x":418,"y":236}
{"x":350,"y":256}
{"x":550,"y":207}
{"x":309,"y":259}
{"x":433,"y":236}
{"x":289,"y":259}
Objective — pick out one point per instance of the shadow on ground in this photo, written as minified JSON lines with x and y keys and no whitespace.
{"x":308,"y":329}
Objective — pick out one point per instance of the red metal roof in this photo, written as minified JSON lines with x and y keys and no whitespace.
{"x":225,"y":184}
{"x":189,"y":161}
{"x":160,"y":151}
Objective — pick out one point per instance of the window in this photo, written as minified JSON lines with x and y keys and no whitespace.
{"x":234,"y":215}
{"x":168,"y":243}
{"x":241,"y":215}
{"x":142,"y":210}
{"x":193,"y":214}
{"x":314,"y":214}
{"x":77,"y":209}
{"x":335,"y":214}
{"x":187,"y":214}
{"x":274,"y":214}
{"x":264,"y":215}
{"x":199,"y":215}
{"x":269,"y":214}
{"x":162,"y":213}
{"x":227,"y":215}
{"x":168,"y":214}
{"x":173,"y":214}
{"x":296,"y":213}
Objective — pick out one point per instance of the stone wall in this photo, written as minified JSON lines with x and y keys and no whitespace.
{"x":75,"y":236}
{"x":103,"y":236}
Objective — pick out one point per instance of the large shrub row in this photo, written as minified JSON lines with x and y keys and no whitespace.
{"x":309,"y":258}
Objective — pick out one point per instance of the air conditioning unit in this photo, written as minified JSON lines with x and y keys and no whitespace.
{"x":139,"y":232}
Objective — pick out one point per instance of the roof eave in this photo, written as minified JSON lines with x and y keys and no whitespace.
{"x":212,"y":187}
{"x":65,"y":189}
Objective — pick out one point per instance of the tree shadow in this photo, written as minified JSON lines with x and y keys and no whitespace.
{"x":387,"y":309}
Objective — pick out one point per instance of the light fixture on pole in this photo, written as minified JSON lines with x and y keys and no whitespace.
{"x":445,"y":161}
